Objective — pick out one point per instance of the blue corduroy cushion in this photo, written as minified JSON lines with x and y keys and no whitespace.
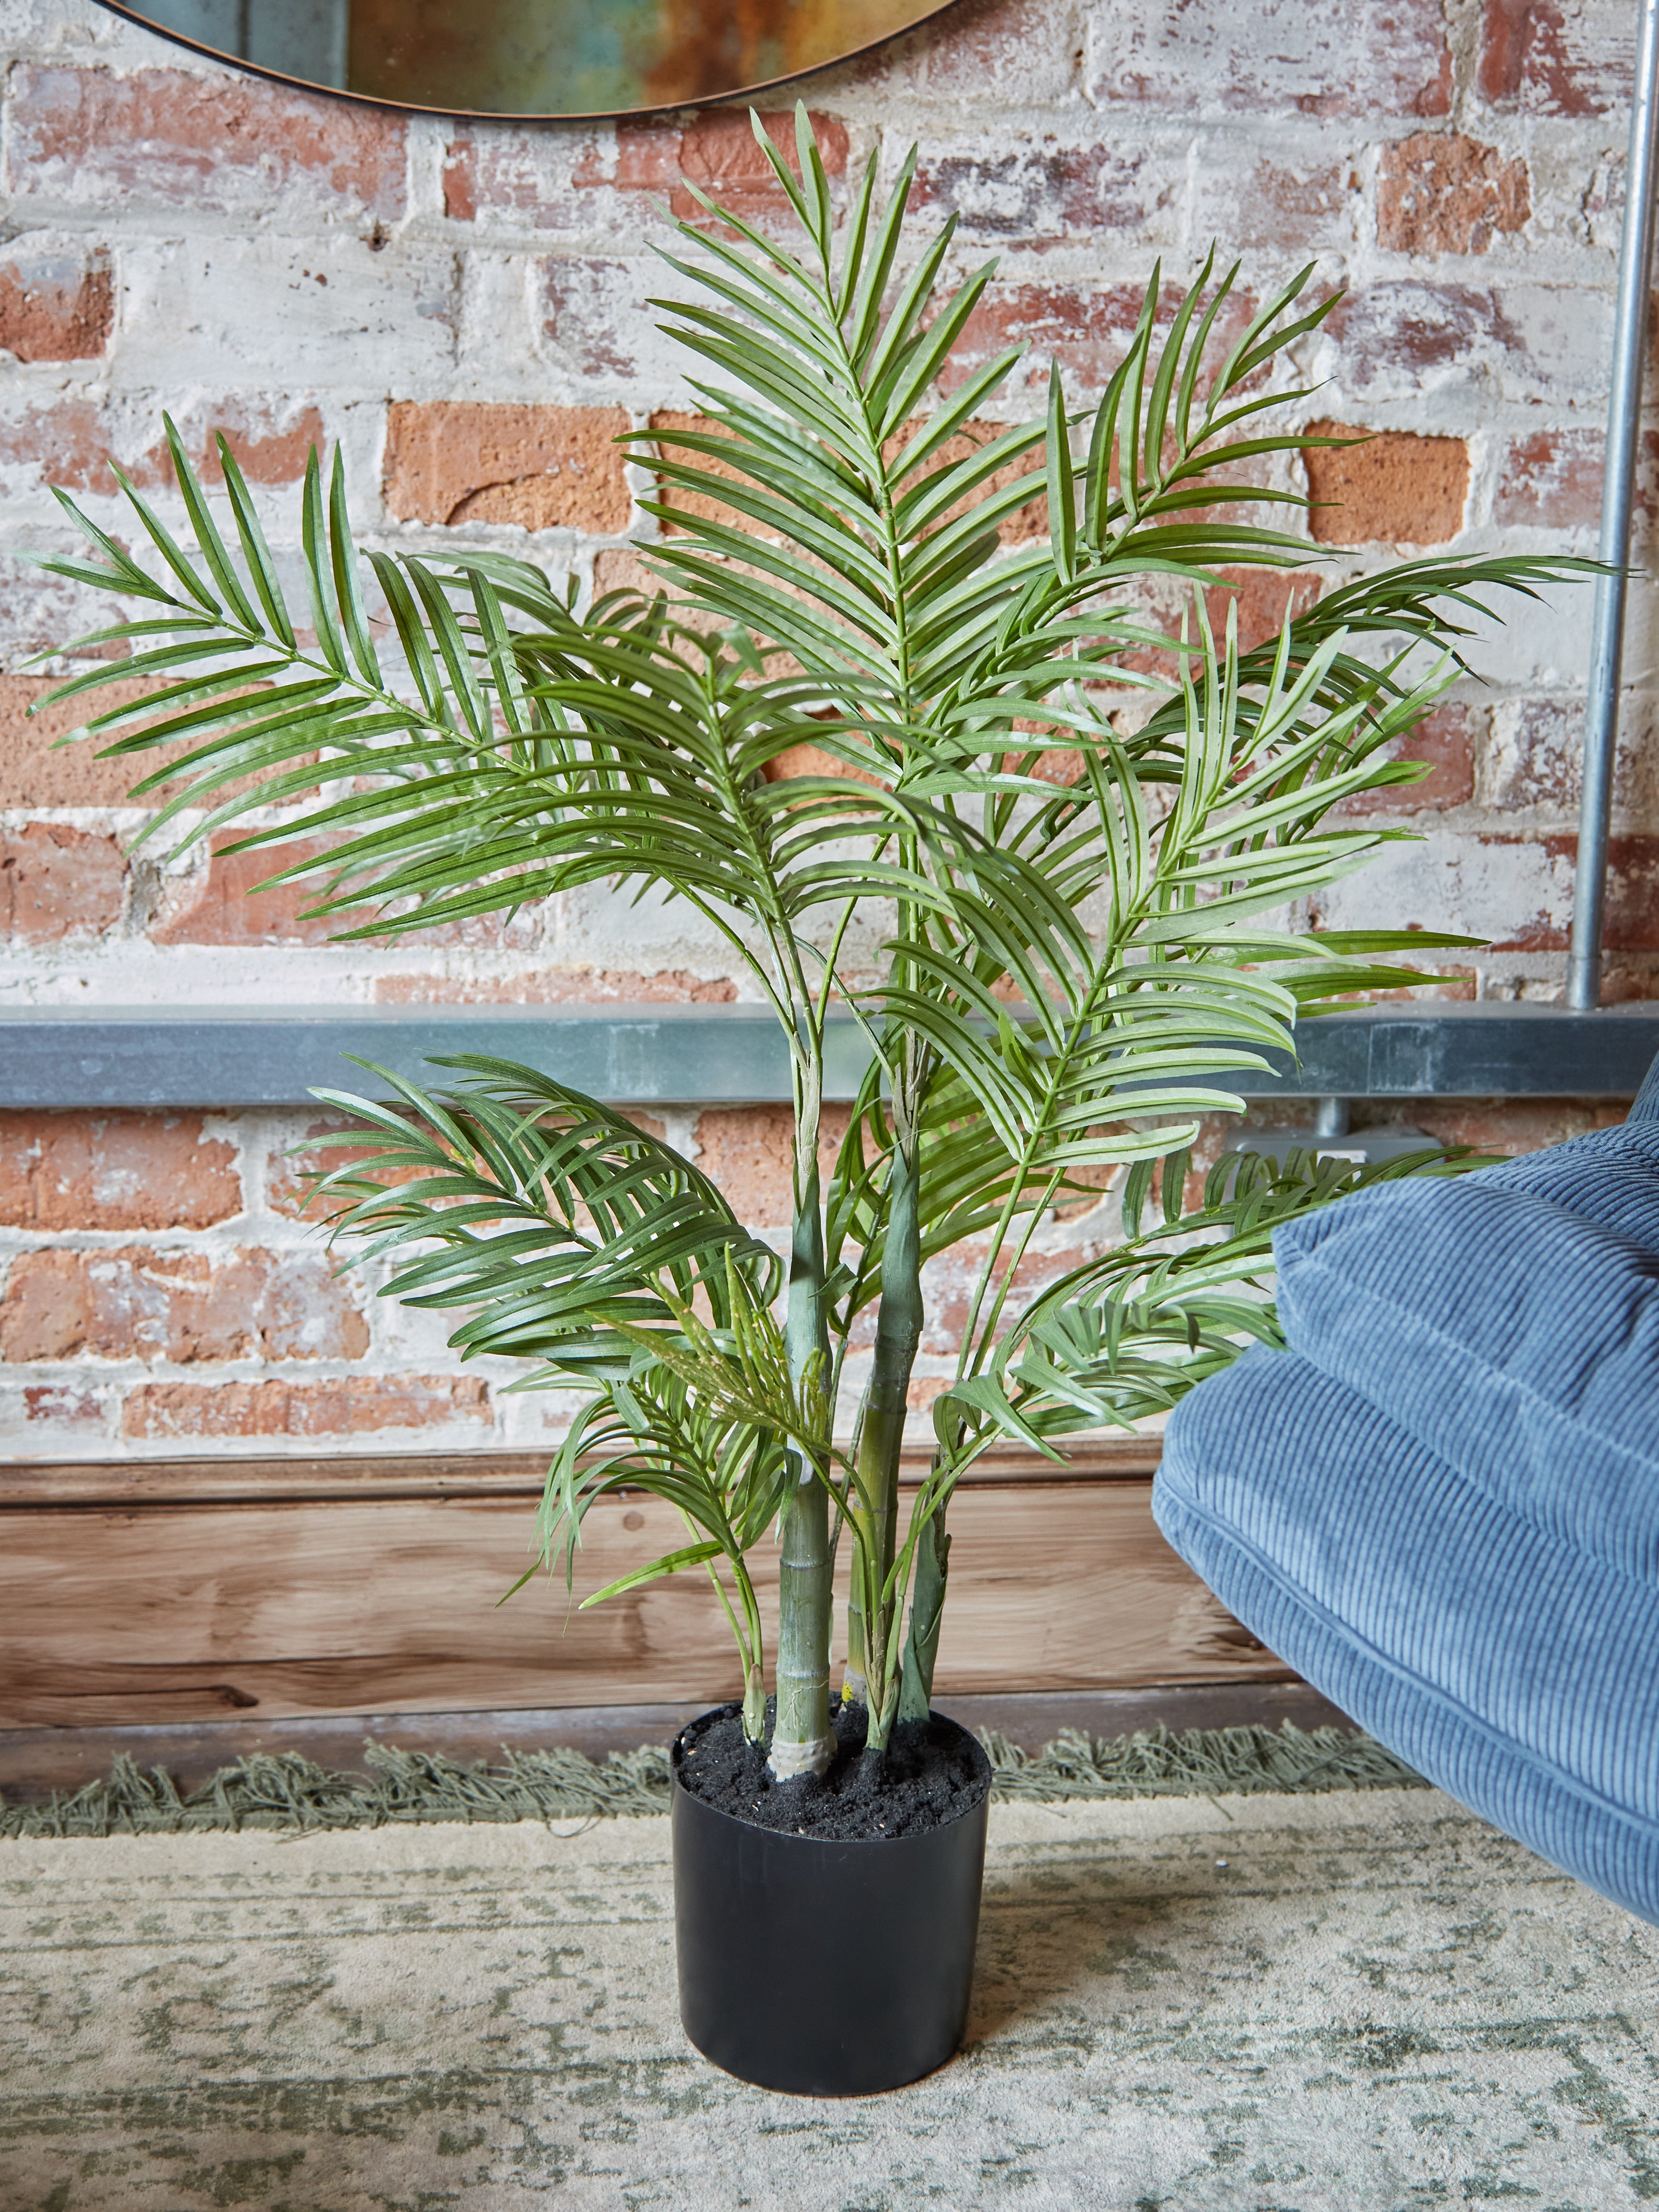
{"x":1516,"y":1341}
{"x":1611,"y":1175}
{"x":1645,"y":1106}
{"x":1510,"y":1665}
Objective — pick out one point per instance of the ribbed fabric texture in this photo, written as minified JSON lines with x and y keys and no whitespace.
{"x":1512,"y":1670}
{"x":1517,"y":1341}
{"x":1611,"y":1176}
{"x":1645,"y":1107}
{"x":1442,"y":1505}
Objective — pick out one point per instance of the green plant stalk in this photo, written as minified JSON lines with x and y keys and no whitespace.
{"x":881,"y":1438}
{"x":802,"y":1740}
{"x":927,"y":1587}
{"x":747,"y":1632}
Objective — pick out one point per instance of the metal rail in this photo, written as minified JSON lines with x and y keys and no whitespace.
{"x":161,"y":1057}
{"x":1624,"y":439}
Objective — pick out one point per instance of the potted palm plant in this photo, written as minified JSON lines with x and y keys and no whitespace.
{"x":1036,"y":842}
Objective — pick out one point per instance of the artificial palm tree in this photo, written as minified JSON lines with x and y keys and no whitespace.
{"x":1037,"y":856}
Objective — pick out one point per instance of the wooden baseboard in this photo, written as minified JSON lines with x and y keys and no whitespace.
{"x":318,"y":1587}
{"x":234,"y":1481}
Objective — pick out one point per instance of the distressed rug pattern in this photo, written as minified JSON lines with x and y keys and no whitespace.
{"x":1375,"y":2003}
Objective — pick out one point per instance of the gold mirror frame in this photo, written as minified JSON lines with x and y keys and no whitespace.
{"x":801,"y":33}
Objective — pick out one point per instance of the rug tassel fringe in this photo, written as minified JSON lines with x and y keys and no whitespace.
{"x":283,"y":1791}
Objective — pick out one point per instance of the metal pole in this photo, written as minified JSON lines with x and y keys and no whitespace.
{"x":1624,"y":430}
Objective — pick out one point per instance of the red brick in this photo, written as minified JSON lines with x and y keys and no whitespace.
{"x":56,"y":882}
{"x":1045,"y":194}
{"x":797,"y":760}
{"x":718,"y":153}
{"x":292,"y":1162}
{"x":114,"y":1171}
{"x":356,"y":1405}
{"x":209,"y":144}
{"x":1557,"y":56}
{"x":544,"y":468}
{"x":1446,"y":739}
{"x":217,"y":905}
{"x":548,"y":987}
{"x":1632,"y":914}
{"x":56,"y":302}
{"x":694,"y":502}
{"x":748,"y":1151}
{"x":35,"y":772}
{"x":1510,"y":1126}
{"x":134,"y":1302}
{"x":1553,"y":480}
{"x":1443,"y":193}
{"x":951,"y":1280}
{"x":1395,"y":488}
{"x":1264,"y":599}
{"x":921,"y":1390}
{"x":1283,"y":56}
{"x":1261,"y":598}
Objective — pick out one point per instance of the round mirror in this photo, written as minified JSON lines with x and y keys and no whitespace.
{"x":525,"y":58}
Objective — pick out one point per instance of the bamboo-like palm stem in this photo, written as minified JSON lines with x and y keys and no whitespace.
{"x":927,"y":1586}
{"x":802,"y":1740}
{"x":881,"y":1436}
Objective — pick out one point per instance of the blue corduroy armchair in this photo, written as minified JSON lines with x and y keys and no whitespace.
{"x":1440,"y":1506}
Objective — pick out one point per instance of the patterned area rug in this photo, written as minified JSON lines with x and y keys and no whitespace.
{"x":1365,"y":2002}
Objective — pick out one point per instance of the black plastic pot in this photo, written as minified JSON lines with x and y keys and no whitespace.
{"x":826,"y":1969}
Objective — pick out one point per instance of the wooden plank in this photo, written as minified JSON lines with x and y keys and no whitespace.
{"x":174,"y":1613}
{"x":445,"y":1474}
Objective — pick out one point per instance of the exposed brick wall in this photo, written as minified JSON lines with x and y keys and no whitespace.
{"x":463,"y":308}
{"x":162,"y":1292}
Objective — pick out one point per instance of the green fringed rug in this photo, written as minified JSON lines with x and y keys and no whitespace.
{"x":283,"y":1790}
{"x":1326,"y":2000}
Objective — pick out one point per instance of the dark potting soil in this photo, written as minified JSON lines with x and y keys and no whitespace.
{"x":933,"y":1773}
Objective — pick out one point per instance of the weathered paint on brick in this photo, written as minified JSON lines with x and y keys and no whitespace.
{"x":1444,"y":193}
{"x":1567,"y":58}
{"x":56,"y":299}
{"x":344,"y":1411}
{"x":219,"y":144}
{"x":1322,"y":58}
{"x":148,"y":1303}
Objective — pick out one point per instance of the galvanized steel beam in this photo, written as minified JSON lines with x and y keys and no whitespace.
{"x":68,"y":1057}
